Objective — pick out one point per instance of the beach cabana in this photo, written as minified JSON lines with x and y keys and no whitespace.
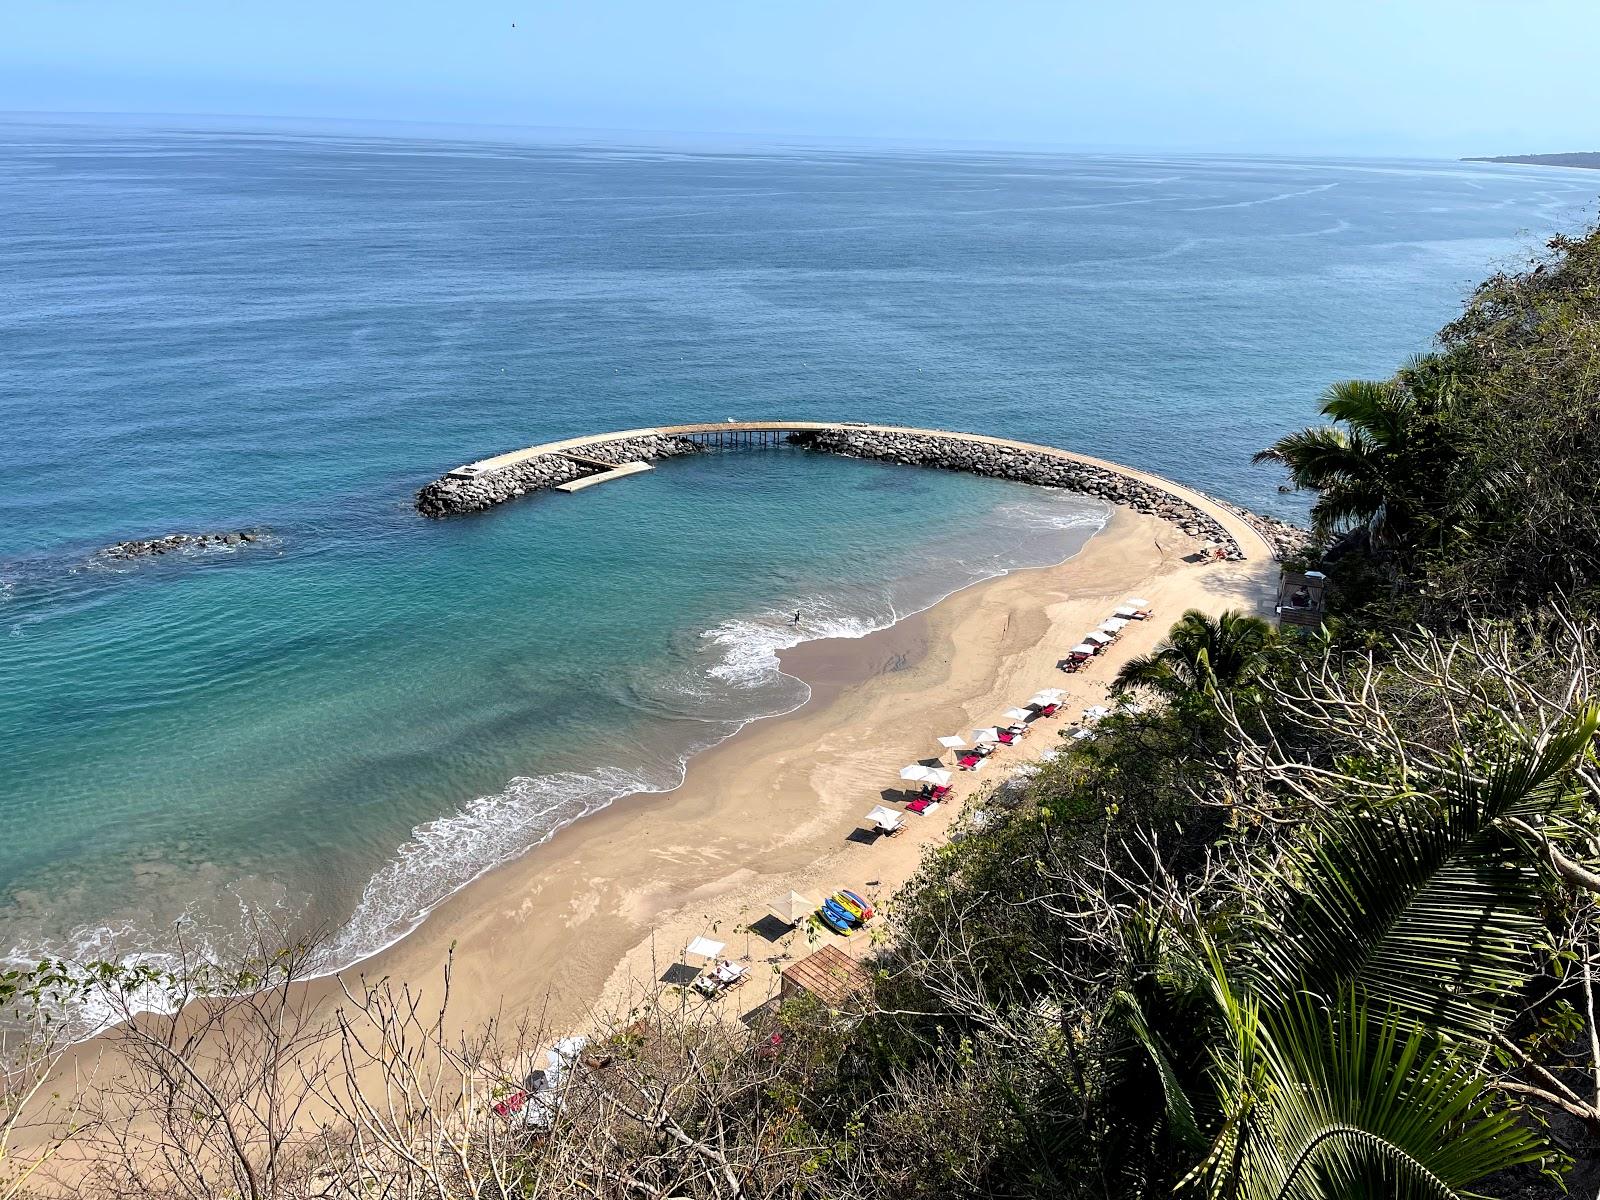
{"x":704,"y":947}
{"x":830,"y":975}
{"x":886,"y":820}
{"x":791,"y":909}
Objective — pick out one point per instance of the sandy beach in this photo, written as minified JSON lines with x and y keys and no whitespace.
{"x":581,"y":928}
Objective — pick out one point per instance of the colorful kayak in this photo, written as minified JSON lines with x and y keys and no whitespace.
{"x":835,"y":917}
{"x":851,"y":900}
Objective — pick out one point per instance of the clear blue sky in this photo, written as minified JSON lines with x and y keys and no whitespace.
{"x":1413,"y":76}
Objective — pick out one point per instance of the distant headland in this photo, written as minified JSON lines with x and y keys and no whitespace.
{"x":1578,"y":158}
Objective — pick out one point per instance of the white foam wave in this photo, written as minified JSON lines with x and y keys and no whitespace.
{"x":444,"y":855}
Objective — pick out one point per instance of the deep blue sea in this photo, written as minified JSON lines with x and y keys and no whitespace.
{"x":207,"y":328}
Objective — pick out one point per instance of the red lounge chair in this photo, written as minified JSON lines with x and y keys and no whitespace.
{"x":1049,"y":710}
{"x":1008,"y":737}
{"x":968,"y":761}
{"x":940,"y":792}
{"x":511,"y":1105}
{"x":920,"y":806}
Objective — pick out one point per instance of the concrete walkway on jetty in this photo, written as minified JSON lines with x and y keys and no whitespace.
{"x":491,"y":481}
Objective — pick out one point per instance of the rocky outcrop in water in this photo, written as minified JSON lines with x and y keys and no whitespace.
{"x":1023,"y":466}
{"x":458,"y":492}
{"x":173,"y":543}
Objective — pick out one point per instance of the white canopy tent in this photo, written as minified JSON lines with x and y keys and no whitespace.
{"x":704,"y":947}
{"x":791,"y":909}
{"x":886,"y":819}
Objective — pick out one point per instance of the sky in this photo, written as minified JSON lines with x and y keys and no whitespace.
{"x":1431,"y":77}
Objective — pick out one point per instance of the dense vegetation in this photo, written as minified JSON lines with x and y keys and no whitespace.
{"x":1311,"y":916}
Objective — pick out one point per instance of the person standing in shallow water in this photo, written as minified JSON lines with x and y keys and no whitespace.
{"x":796,"y":617}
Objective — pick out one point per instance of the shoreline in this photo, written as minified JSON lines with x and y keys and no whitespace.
{"x":581,"y":922}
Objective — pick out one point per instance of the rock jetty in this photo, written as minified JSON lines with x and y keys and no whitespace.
{"x":1023,"y":466}
{"x":464,"y":491}
{"x":175,"y":542}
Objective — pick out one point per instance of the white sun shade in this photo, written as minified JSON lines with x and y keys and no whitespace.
{"x":1114,"y":624}
{"x":792,"y":908}
{"x":915,"y":771}
{"x":982,"y":737}
{"x":1096,"y":712}
{"x":1052,"y":694}
{"x":953,"y":742}
{"x":1042,"y":701}
{"x":1097,"y":636}
{"x":939,"y":778}
{"x":1137,"y":602}
{"x":1086,"y":648}
{"x":703,"y":947}
{"x":885,"y":818}
{"x":1126,"y":612}
{"x":1019,"y":714}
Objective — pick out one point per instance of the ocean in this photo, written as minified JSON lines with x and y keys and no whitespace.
{"x":214,"y":326}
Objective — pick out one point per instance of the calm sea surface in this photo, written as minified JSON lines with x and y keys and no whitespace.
{"x":204,"y":329}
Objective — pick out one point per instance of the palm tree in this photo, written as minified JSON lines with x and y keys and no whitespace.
{"x":1355,"y":1024}
{"x":1202,"y":656}
{"x":1381,"y":465}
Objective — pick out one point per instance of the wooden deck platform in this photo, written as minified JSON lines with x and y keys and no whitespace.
{"x":577,"y":485}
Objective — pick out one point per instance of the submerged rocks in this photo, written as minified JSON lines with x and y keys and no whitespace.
{"x":179,"y":542}
{"x":464,"y":491}
{"x":1024,"y":466}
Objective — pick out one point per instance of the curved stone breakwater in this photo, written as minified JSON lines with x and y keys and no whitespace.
{"x":492,"y":481}
{"x":465,"y":490}
{"x":1022,"y":466}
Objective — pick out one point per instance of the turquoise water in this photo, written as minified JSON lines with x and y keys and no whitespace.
{"x":210,"y":329}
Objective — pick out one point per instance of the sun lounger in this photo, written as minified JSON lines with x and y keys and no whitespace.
{"x":922,"y":807}
{"x":1049,"y":710}
{"x":724,"y":977}
{"x":968,"y":761}
{"x":940,"y":792}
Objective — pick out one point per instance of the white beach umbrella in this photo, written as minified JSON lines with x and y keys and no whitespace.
{"x":886,"y":819}
{"x":982,"y":737}
{"x":1019,"y":714}
{"x":915,"y":771}
{"x":1096,"y":712}
{"x":954,"y":742}
{"x":704,"y":947}
{"x":1114,"y":624}
{"x":1047,"y":697}
{"x":1086,"y":648}
{"x":1052,"y":694}
{"x":939,"y":778}
{"x":1098,"y":637}
{"x":1080,"y":735}
{"x":1138,"y":602}
{"x":1126,"y":612}
{"x":791,"y":908}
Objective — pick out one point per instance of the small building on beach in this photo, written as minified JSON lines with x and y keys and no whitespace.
{"x":830,"y":976}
